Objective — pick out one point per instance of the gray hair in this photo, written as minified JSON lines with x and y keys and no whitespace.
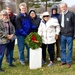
{"x":8,"y":6}
{"x":3,"y":12}
{"x":22,"y":4}
{"x":63,"y":3}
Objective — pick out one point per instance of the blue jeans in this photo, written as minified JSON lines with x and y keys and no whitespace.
{"x":21,"y":46}
{"x":2,"y":50}
{"x":66,"y":56}
{"x":9,"y":52}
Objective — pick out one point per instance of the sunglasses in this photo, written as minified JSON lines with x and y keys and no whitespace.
{"x":46,"y":16}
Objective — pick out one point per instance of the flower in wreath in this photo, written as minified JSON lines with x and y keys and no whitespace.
{"x":33,"y":40}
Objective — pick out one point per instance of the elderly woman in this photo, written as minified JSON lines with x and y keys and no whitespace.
{"x":49,"y":30}
{"x":6,"y":35}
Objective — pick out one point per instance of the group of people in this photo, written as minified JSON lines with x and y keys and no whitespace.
{"x":54,"y":29}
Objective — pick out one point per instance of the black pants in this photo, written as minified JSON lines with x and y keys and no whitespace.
{"x":50,"y":51}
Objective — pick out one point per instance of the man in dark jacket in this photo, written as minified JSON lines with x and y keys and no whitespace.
{"x":23,"y":27}
{"x":67,"y":22}
{"x":55,"y":14}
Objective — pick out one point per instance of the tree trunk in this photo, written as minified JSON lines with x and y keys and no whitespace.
{"x":1,"y":5}
{"x":46,"y":6}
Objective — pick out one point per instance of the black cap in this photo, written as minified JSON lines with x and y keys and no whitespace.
{"x":32,"y":11}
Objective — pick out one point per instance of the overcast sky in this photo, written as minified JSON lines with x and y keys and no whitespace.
{"x":69,"y":2}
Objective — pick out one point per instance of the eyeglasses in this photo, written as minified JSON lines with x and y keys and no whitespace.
{"x":46,"y":16}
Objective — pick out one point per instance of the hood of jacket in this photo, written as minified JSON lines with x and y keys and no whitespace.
{"x":54,"y":7}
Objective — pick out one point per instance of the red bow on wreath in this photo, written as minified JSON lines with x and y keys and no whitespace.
{"x":33,"y":38}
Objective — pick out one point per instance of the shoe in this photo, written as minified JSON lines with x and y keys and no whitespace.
{"x":43,"y":62}
{"x":62,"y":64}
{"x":22,"y":63}
{"x":1,"y":70}
{"x":50,"y":64}
{"x":58,"y":59}
{"x":12,"y":65}
{"x":68,"y":65}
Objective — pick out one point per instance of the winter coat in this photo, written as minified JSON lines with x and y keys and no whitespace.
{"x":12,"y":19}
{"x":35,"y":22}
{"x":4,"y":32}
{"x":48,"y":30}
{"x":55,"y":15}
{"x":69,"y":24}
{"x":23,"y":25}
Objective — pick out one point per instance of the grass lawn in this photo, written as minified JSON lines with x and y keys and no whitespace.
{"x":45,"y":70}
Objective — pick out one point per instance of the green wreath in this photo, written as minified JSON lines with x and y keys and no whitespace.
{"x":33,"y":40}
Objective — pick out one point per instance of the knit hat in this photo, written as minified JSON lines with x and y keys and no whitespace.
{"x":32,"y":11}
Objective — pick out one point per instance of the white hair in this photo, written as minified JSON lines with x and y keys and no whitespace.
{"x":22,"y":4}
{"x":63,"y":3}
{"x":3,"y":12}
